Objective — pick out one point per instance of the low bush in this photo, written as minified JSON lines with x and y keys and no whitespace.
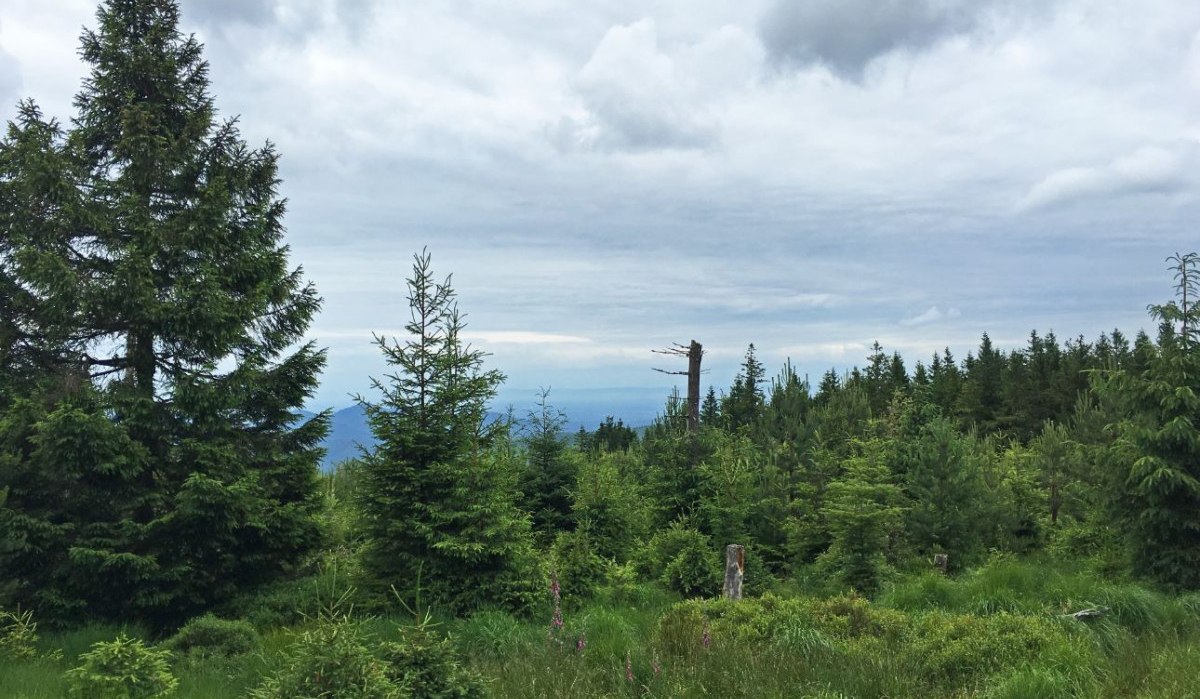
{"x":684,"y":559}
{"x":208,"y":637}
{"x":18,"y":635}
{"x":122,"y":669}
{"x":961,"y":648}
{"x":579,"y":569}
{"x":426,"y":663}
{"x":332,"y":658}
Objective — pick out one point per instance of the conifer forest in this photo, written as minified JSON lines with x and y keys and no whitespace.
{"x":1017,"y":522}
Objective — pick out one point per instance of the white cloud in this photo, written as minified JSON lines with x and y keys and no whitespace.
{"x":1149,"y":169}
{"x":931,"y":315}
{"x":523,"y":337}
{"x":633,"y":98}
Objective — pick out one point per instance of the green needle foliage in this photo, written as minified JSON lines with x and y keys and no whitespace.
{"x":438,"y":505}
{"x":147,"y":436}
{"x":1158,"y":448}
{"x":123,"y":668}
{"x":863,"y":514}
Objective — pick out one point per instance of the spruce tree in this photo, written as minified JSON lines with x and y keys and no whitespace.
{"x":155,"y":302}
{"x":438,"y":504}
{"x":1158,"y":446}
{"x":745,"y":401}
{"x":863,"y":514}
{"x":942,"y":479}
{"x":550,"y":471}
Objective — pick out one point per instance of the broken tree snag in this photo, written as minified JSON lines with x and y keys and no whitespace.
{"x":1088,"y":614}
{"x":735,"y":571}
{"x":694,"y":352}
{"x":941,"y":561}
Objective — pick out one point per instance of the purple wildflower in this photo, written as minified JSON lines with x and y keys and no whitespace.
{"x":706,"y":637}
{"x":655,"y":666}
{"x":580,"y":643}
{"x":628,"y":667}
{"x":556,"y":619}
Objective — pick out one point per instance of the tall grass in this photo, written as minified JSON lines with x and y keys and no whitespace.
{"x":997,"y":632}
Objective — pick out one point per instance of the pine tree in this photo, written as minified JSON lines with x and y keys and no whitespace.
{"x":154,"y":299}
{"x":1057,"y":462}
{"x":745,"y":401}
{"x":549,"y":475}
{"x":945,"y":382}
{"x":438,"y":506}
{"x":710,"y":409}
{"x":943,"y":483}
{"x":862,"y":509}
{"x":1158,"y":448}
{"x":981,"y":400}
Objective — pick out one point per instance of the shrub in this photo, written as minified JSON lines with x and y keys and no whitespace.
{"x":122,"y":669}
{"x":682,"y":558}
{"x":851,"y":616}
{"x":18,"y":635}
{"x":580,"y":571}
{"x":802,"y":625}
{"x":330,"y":659}
{"x":960,"y":648}
{"x":290,"y":602}
{"x":426,"y":663}
{"x":208,"y":637}
{"x":693,"y":570}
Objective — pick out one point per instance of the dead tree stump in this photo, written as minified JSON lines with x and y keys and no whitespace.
{"x":941,"y":561}
{"x":735,"y":570}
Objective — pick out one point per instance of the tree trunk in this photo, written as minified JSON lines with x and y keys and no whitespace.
{"x":695,"y":352}
{"x":735,"y":570}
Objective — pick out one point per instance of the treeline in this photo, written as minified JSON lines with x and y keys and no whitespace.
{"x":1082,"y":449}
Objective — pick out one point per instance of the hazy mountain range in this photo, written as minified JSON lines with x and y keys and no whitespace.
{"x":587,"y":408}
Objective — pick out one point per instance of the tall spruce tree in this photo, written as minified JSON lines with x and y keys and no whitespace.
{"x":153,"y":298}
{"x":1158,"y":447}
{"x":438,"y":506}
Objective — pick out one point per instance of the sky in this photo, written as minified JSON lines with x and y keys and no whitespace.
{"x":606,"y":178}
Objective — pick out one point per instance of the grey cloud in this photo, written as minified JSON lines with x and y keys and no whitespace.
{"x":220,"y":12}
{"x":635,"y":98}
{"x":10,"y":80}
{"x":846,"y":35}
{"x":293,"y":18}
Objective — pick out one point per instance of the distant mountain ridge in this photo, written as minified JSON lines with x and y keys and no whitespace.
{"x":349,"y":431}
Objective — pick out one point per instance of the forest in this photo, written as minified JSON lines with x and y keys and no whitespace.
{"x":1015,"y":523}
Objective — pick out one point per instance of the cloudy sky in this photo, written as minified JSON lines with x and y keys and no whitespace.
{"x":605,"y":178}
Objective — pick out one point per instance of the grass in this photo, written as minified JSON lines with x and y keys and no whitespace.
{"x":993,"y":633}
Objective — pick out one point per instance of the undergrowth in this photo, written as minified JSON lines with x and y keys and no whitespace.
{"x":1001,"y":631}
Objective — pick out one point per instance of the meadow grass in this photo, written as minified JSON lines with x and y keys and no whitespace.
{"x":997,"y":632}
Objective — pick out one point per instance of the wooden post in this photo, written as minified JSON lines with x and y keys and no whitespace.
{"x":941,"y":561}
{"x":735,"y":570}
